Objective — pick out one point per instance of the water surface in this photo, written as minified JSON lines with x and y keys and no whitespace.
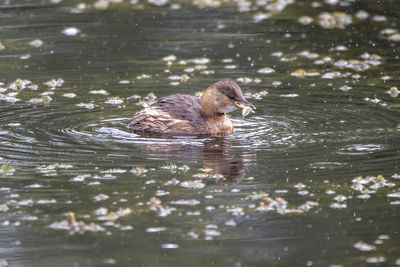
{"x":309,"y":179}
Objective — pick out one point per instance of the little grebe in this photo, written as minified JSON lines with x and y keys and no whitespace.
{"x":190,"y":115}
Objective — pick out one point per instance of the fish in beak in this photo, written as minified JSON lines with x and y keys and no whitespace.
{"x":243,"y":103}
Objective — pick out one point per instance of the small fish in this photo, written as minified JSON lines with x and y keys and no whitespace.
{"x":246,"y":111}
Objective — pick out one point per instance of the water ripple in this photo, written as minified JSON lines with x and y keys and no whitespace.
{"x":31,"y":130}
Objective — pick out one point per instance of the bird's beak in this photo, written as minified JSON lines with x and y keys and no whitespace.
{"x":244,"y":103}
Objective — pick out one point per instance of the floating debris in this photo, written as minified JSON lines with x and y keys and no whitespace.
{"x":335,"y":20}
{"x":393,"y":91}
{"x":394,"y":37}
{"x":197,"y":184}
{"x":101,"y":4}
{"x":308,"y":206}
{"x":364,"y":196}
{"x":281,"y":206}
{"x":73,"y":226}
{"x":173,"y":181}
{"x":338,"y":205}
{"x":303,"y":192}
{"x":308,"y":54}
{"x":158,"y":2}
{"x":169,"y":58}
{"x":383,"y":237}
{"x":299,"y":186}
{"x":186,"y":202}
{"x":277,"y":54}
{"x":100,"y":197}
{"x":257,"y":195}
{"x":331,"y":75}
{"x":86,"y":105}
{"x":9,"y":98}
{"x":211,"y":233}
{"x":150,"y":182}
{"x":230,"y":67}
{"x":55,"y":82}
{"x":236,"y":211}
{"x":376,"y":101}
{"x":127,"y":228}
{"x":99,"y":92}
{"x":112,"y":216}
{"x":260,"y":17}
{"x":340,"y":198}
{"x":36,"y":43}
{"x":34,"y":186}
{"x":301,"y":73}
{"x":155,"y":229}
{"x":182,"y":78}
{"x":170,"y":167}
{"x":80,"y":178}
{"x":305,"y":20}
{"x":276,"y":83}
{"x":7,"y":170}
{"x":396,"y":176}
{"x":26,"y":202}
{"x":143,"y":76}
{"x":353,"y":64}
{"x":394,"y":195}
{"x":189,"y":70}
{"x":375,"y":259}
{"x":364,"y":246}
{"x":138,"y":171}
{"x":341,"y":48}
{"x":160,"y":193}
{"x":391,"y":34}
{"x":69,"y":95}
{"x":19,"y":84}
{"x":369,"y":185}
{"x":44,"y":99}
{"x":46,"y":201}
{"x":114,"y":100}
{"x":379,"y":18}
{"x":170,"y":246}
{"x":71,"y":31}
{"x":25,"y":56}
{"x":3,"y":208}
{"x":266,"y":70}
{"x":361,"y":15}
{"x":231,"y":222}
{"x":200,"y":61}
{"x":155,"y":205}
{"x":345,"y":88}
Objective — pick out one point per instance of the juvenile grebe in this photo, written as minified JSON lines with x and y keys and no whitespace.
{"x":190,"y":115}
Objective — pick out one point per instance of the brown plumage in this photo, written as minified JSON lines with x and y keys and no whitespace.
{"x":190,"y":115}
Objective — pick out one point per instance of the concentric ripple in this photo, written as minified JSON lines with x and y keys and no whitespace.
{"x":64,"y":135}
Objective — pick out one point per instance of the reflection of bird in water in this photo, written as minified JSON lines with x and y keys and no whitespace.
{"x":217,"y":154}
{"x":190,"y":115}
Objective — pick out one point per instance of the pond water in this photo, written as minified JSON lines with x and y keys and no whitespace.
{"x":310,"y":179}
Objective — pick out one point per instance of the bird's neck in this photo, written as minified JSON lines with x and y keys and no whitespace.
{"x":209,"y":103}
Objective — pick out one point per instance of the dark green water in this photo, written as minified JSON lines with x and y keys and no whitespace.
{"x":308,"y":180}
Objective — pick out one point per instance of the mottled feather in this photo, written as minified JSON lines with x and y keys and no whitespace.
{"x":177,"y":114}
{"x":185,"y":114}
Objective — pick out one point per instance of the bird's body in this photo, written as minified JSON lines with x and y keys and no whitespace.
{"x":190,"y":115}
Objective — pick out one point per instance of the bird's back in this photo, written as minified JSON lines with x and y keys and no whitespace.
{"x":172,"y":114}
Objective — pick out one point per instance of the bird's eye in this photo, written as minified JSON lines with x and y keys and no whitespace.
{"x":231,"y":97}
